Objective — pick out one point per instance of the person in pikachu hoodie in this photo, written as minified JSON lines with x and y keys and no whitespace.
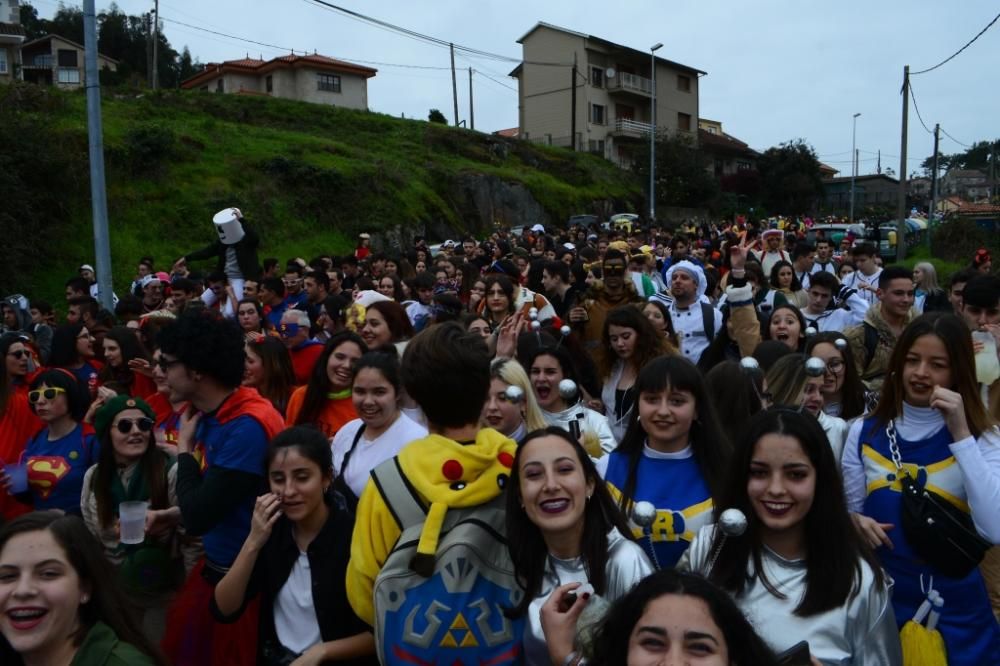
{"x":459,"y":468}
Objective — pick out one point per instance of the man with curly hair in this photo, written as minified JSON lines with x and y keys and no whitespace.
{"x":222,"y":448}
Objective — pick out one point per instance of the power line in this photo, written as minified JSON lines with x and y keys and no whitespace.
{"x":967,"y":45}
{"x":428,"y":38}
{"x":495,"y":81}
{"x":954,"y":139}
{"x":917,"y":109}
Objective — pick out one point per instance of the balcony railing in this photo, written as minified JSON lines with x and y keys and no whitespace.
{"x":632,"y":127}
{"x":624,"y":82}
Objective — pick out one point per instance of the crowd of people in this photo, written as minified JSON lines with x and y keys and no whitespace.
{"x":723,"y":443}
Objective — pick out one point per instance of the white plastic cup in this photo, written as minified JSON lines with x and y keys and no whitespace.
{"x":132,"y":521}
{"x":987,"y":365}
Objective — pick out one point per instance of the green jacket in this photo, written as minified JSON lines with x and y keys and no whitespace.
{"x":101,"y":647}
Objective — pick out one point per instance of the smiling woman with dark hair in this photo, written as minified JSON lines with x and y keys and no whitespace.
{"x":564,"y":530}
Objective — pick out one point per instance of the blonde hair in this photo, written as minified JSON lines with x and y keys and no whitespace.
{"x":928,"y":281}
{"x":510,"y":372}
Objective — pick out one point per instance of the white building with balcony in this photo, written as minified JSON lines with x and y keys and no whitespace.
{"x":614,"y":93}
{"x":11,"y":38}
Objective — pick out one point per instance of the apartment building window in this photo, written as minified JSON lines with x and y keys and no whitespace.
{"x":3,"y":61}
{"x":597,"y":114}
{"x":269,"y":82}
{"x":328,"y":82}
{"x":69,"y":75}
{"x":684,"y":121}
{"x":220,"y":86}
{"x":67,"y":58}
{"x":596,"y":146}
{"x":683,"y":83}
{"x":597,"y":77}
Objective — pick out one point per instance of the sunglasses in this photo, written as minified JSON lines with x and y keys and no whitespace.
{"x":49,"y":393}
{"x":18,"y":353}
{"x":614,"y":270}
{"x":125,"y":426}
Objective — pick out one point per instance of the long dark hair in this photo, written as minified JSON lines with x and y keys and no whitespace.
{"x":319,"y":381}
{"x":709,"y":445}
{"x":852,"y":392}
{"x":742,"y":642}
{"x":152,"y":465}
{"x":648,"y":345}
{"x":835,"y":550}
{"x":798,"y":315}
{"x":957,"y":340}
{"x":131,"y":348}
{"x":86,"y":556}
{"x":279,"y":377}
{"x":773,"y":279}
{"x":736,"y":394}
{"x":63,"y":353}
{"x":527,"y":546}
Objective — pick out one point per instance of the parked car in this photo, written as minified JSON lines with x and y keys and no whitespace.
{"x":582,"y":220}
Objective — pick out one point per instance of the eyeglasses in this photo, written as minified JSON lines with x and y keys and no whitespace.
{"x":84,"y":336}
{"x":614,"y":270}
{"x":18,"y":353}
{"x":165,"y":364}
{"x":835,"y":366}
{"x":49,"y":393}
{"x":125,"y":426}
{"x":288,"y":330}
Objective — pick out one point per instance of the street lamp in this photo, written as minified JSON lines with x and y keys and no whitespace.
{"x":854,"y":161}
{"x":652,"y":133}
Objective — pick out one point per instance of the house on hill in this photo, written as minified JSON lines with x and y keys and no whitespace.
{"x":728,"y":154}
{"x":11,"y":38}
{"x":307,"y":78}
{"x":52,"y":60}
{"x":614,"y":93}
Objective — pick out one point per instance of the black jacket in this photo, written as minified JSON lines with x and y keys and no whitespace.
{"x":246,"y":254}
{"x":328,"y":555}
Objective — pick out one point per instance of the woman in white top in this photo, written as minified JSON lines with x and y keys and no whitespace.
{"x":506,"y":412}
{"x":628,"y":342}
{"x":547,"y":367}
{"x":381,"y":430}
{"x":563,"y":531}
{"x":800,"y":571}
{"x":930,"y":425}
{"x":844,"y":395}
{"x":791,"y":386}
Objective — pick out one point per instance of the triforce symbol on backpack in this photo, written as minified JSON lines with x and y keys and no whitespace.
{"x":459,"y":629}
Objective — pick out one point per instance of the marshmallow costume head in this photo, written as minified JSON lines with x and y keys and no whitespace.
{"x":229,"y":225}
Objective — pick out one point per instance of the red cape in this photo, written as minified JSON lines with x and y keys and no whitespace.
{"x":247,"y":401}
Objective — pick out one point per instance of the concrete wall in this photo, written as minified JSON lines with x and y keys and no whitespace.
{"x":544,"y":92}
{"x":353,"y":89}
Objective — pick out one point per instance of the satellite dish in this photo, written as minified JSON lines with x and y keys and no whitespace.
{"x":610,"y":72}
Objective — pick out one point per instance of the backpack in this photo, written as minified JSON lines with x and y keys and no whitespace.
{"x":456,"y":615}
{"x":708,"y":320}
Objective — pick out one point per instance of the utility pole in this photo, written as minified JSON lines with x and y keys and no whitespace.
{"x":652,"y":130}
{"x":156,"y":39}
{"x":572,"y":117}
{"x":854,"y":160}
{"x":934,"y":180}
{"x":98,"y":195}
{"x":454,"y":83}
{"x":472,"y":113}
{"x":901,"y":205}
{"x":149,"y":50}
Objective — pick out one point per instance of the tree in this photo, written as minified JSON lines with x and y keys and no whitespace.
{"x":435,"y":116}
{"x":682,"y":176}
{"x":34,"y":27}
{"x":790,"y":178}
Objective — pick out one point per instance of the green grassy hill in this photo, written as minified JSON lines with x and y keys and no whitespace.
{"x":308,"y":177}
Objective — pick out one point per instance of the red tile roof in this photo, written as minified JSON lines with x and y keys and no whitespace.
{"x":288,"y":61}
{"x":11,"y":29}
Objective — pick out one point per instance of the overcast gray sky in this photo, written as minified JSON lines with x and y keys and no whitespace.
{"x":777,"y":69}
